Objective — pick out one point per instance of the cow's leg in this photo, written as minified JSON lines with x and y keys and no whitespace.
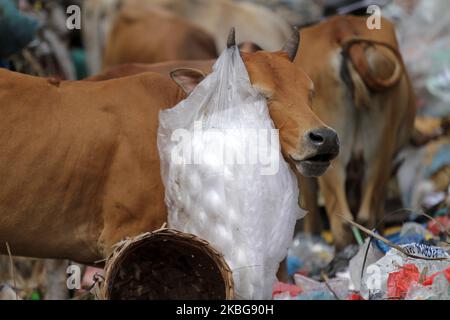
{"x":308,"y":200}
{"x":375,"y":184}
{"x":332,"y":186}
{"x":389,"y":130}
{"x":134,"y":199}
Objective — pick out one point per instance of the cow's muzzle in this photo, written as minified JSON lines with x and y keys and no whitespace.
{"x":324,"y":146}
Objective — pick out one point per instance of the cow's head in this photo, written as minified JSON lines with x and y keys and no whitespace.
{"x":305,"y":140}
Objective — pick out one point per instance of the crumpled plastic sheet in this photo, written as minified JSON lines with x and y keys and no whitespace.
{"x":234,"y":205}
{"x":315,"y":290}
{"x":374,"y":284}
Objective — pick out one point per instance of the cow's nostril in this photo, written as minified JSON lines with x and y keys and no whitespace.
{"x":324,"y":139}
{"x":316,"y":138}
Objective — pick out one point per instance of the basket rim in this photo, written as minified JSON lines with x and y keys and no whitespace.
{"x":120,"y":249}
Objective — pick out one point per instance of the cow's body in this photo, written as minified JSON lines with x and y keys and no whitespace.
{"x":374,"y":119}
{"x":150,"y":35}
{"x":79,"y":168}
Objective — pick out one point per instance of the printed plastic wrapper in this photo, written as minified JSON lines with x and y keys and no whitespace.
{"x":411,"y":232}
{"x":245,"y":205}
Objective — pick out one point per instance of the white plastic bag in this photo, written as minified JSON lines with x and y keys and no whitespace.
{"x":225,"y":178}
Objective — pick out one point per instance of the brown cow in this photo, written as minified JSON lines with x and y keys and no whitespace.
{"x":79,"y":164}
{"x":363,"y":91}
{"x":149,"y":35}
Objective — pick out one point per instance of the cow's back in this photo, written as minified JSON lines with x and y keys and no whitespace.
{"x":163,"y":68}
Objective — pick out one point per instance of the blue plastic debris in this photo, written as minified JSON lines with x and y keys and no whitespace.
{"x":440,"y":160}
{"x":16,"y":29}
{"x":411,"y":233}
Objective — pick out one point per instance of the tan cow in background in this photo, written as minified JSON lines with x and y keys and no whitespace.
{"x":363,"y":91}
{"x":255,"y":23}
{"x":149,"y":35}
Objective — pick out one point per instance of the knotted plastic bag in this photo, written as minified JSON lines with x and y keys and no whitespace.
{"x":225,"y":178}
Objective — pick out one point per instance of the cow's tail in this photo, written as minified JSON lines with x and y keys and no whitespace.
{"x":370,"y":66}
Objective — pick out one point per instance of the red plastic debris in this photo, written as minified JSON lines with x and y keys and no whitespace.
{"x":429,"y":281}
{"x":281,"y":287}
{"x":436,"y":228}
{"x":354,"y":296}
{"x":400,"y":281}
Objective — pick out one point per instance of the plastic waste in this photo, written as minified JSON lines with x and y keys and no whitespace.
{"x":8,"y":293}
{"x":419,"y":292}
{"x":411,"y":232}
{"x":415,"y":175}
{"x":439,"y":85}
{"x":337,"y":288}
{"x":356,"y":263}
{"x":399,"y":282}
{"x":375,"y":282}
{"x":435,"y":227}
{"x":341,"y":261}
{"x":435,"y":287}
{"x":309,"y":253}
{"x":427,"y":60}
{"x":215,"y":186}
{"x":354,"y":296}
{"x":280,"y":289}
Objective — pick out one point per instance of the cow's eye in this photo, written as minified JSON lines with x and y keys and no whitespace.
{"x":266,"y":93}
{"x":268,"y":97}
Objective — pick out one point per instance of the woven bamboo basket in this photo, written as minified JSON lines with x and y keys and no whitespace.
{"x":166,"y":264}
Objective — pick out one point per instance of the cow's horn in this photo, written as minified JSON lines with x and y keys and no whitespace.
{"x":292,"y":44}
{"x":231,"y":38}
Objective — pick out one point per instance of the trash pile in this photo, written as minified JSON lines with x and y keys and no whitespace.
{"x":427,"y":60}
{"x":411,"y":263}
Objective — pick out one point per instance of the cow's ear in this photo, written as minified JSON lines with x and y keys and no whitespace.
{"x":187,"y":79}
